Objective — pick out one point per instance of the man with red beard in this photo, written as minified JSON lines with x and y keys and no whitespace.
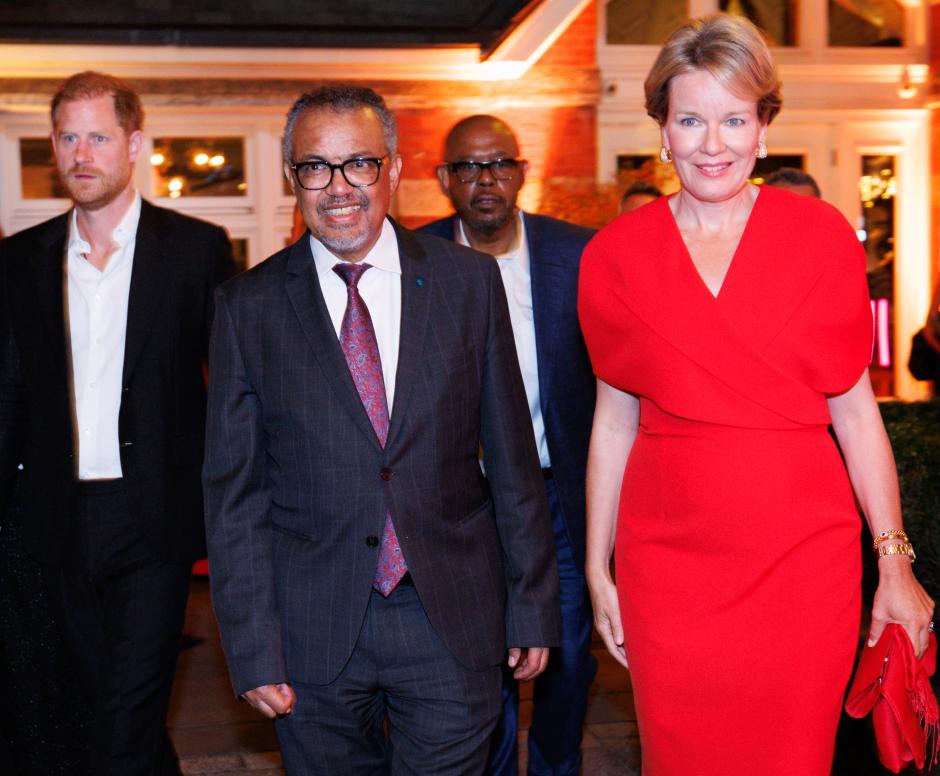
{"x":538,"y":259}
{"x":104,"y":326}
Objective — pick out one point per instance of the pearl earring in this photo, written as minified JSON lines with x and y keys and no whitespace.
{"x":665,"y":155}
{"x":761,"y":152}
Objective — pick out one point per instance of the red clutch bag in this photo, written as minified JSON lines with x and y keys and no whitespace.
{"x":895,"y":687}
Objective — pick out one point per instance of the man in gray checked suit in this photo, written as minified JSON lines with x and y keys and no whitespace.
{"x":363,"y":569}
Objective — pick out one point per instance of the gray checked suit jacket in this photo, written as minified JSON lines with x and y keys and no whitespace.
{"x":297,"y":485}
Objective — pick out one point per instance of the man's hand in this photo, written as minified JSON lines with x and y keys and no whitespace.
{"x":272,"y":700}
{"x":529,"y":662}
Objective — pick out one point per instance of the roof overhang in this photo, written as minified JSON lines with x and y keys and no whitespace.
{"x":532,"y":33}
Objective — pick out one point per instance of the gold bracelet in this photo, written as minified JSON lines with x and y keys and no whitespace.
{"x":904,"y":548}
{"x":885,"y":535}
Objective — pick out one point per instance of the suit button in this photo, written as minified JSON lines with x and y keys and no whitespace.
{"x":372,"y":541}
{"x":386,"y":474}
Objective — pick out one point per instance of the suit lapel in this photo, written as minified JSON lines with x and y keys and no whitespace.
{"x":416,"y":293}
{"x":148,"y":283}
{"x":306,"y":297}
{"x":50,"y":279}
{"x":50,"y":271}
{"x":547,"y":278}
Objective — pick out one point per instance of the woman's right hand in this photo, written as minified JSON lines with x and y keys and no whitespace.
{"x":616,"y":422}
{"x":607,"y":615}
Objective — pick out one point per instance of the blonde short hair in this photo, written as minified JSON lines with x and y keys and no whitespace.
{"x":731,"y":49}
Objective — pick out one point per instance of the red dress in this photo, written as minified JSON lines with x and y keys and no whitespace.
{"x":737,"y":554}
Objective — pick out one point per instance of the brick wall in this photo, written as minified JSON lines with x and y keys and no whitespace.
{"x":934,"y":37}
{"x":553,"y":110}
{"x":577,"y":46}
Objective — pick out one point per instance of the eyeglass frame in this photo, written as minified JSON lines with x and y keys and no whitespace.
{"x":379,"y":161}
{"x":483,"y":167}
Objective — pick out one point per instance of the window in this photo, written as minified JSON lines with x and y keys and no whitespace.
{"x":777,"y":18}
{"x":240,"y":253}
{"x":645,"y":167}
{"x":38,"y":176}
{"x":198,"y":167}
{"x":866,"y":23}
{"x":877,"y":190}
{"x":630,"y":22}
{"x":773,"y":162}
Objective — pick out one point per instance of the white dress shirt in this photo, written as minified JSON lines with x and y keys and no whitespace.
{"x":380,"y":289}
{"x":97,"y":318}
{"x":517,"y":279}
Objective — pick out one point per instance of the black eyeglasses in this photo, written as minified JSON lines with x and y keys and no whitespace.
{"x":318,"y":174}
{"x":468,"y":172}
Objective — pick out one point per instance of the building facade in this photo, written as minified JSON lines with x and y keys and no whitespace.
{"x":567,"y":75}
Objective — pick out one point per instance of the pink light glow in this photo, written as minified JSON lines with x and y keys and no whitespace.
{"x":880,"y":311}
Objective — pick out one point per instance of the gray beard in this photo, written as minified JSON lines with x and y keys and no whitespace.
{"x":343,"y":245}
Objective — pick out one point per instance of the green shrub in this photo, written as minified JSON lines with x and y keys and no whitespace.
{"x":914,"y":429}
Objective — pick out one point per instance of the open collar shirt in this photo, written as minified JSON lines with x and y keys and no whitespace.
{"x":97,"y":321}
{"x":514,"y":267}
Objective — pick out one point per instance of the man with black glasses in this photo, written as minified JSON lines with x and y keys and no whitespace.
{"x":538,"y":258}
{"x":367,"y":578}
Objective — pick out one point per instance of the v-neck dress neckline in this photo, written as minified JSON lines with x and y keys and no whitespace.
{"x":736,"y":255}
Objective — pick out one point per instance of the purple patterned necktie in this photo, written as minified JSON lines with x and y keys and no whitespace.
{"x":357,"y":337}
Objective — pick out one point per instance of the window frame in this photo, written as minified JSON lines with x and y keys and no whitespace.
{"x":812,"y":39}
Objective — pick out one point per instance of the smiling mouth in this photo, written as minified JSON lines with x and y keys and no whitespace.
{"x":346,"y":210}
{"x":713,"y":169}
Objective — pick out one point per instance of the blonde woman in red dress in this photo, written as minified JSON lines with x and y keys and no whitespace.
{"x":728,"y":326}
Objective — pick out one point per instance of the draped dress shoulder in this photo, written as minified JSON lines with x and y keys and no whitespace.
{"x":737,"y":553}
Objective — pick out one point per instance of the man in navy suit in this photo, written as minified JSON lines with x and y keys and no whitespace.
{"x":538,"y":258}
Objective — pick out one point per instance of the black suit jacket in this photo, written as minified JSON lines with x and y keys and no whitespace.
{"x":566,"y":380}
{"x":296,"y":481}
{"x":177,"y":263}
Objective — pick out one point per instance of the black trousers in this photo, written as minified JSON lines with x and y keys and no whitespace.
{"x":122,"y":614}
{"x":45,"y":723}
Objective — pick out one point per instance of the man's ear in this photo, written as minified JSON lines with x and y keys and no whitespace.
{"x":394,"y":171}
{"x":134,"y":143}
{"x":289,"y":174}
{"x":443,"y":178}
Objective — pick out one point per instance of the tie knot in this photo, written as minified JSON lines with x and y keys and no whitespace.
{"x":350,"y":273}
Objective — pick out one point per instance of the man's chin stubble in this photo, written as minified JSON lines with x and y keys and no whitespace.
{"x":489,"y":226}
{"x":97,"y":203}
{"x":79,"y":196}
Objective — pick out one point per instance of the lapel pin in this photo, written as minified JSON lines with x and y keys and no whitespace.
{"x":419,"y":282}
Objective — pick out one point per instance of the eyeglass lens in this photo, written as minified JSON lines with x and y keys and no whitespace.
{"x":357,"y":172}
{"x":500,"y":169}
